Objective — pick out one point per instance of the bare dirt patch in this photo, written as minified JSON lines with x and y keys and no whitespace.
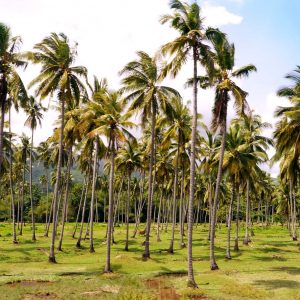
{"x":28,"y":283}
{"x":37,"y":296}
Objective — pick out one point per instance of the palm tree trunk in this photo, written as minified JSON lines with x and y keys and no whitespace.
{"x":47,"y":191}
{"x":64,"y":212}
{"x":79,"y":208}
{"x":293,"y":211}
{"x":228,"y":255}
{"x":22,"y":199}
{"x":12,"y":192}
{"x":127,"y":209}
{"x":146,"y":253}
{"x":171,"y":248}
{"x":213,"y":263}
{"x":30,"y":188}
{"x":159,"y":216}
{"x":191,"y":280}
{"x":236,"y":241}
{"x":3,"y":96}
{"x":57,"y":183}
{"x":78,"y":244}
{"x":246,"y":239}
{"x":93,"y":197}
{"x":108,"y":268}
{"x":181,"y":213}
{"x":210,"y":206}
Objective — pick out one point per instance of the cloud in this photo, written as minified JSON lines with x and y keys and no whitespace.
{"x":219,"y":15}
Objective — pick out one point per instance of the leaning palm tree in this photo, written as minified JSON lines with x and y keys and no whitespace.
{"x":192,"y":41}
{"x":33,"y":110}
{"x":10,"y":81}
{"x":225,"y":85}
{"x":142,"y":79}
{"x":59,"y":77}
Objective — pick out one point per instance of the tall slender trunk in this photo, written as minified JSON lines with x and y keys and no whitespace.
{"x":159,"y":215}
{"x":213,"y":263}
{"x":47,"y":195}
{"x":57,"y":183}
{"x":93,"y":197}
{"x":79,"y":208}
{"x":146,"y":253}
{"x":64,"y":212}
{"x":140,"y":205}
{"x":11,"y":184}
{"x":127,"y":209}
{"x":228,"y":255}
{"x":210,"y":205}
{"x":191,"y":280}
{"x":30,"y":187}
{"x":171,"y":248}
{"x":293,"y":210}
{"x":247,"y":239}
{"x":108,"y":268}
{"x":22,"y":198}
{"x":181,"y":213}
{"x":236,"y":241}
{"x":78,"y":244}
{"x":3,"y":95}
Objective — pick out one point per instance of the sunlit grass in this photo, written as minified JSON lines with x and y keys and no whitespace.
{"x":269,"y":268}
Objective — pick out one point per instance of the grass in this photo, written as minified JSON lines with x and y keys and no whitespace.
{"x":269,"y":268}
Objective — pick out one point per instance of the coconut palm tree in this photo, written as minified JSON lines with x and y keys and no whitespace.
{"x":142,"y":82}
{"x":58,"y":76}
{"x":225,"y":85}
{"x":106,"y":110}
{"x":192,"y":41}
{"x":34,"y":111}
{"x":10,"y":82}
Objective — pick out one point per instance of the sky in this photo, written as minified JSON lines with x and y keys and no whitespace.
{"x":108,"y":33}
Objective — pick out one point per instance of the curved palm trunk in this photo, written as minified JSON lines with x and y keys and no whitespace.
{"x":65,"y":205}
{"x":228,"y":255}
{"x":110,"y":205}
{"x":191,"y":280}
{"x":171,"y":248}
{"x":247,"y":239}
{"x":57,"y":183}
{"x":146,"y":253}
{"x":236,"y":242}
{"x":79,"y":208}
{"x":213,"y":263}
{"x":12,"y":193}
{"x":92,"y":199}
{"x":30,"y":188}
{"x":127,"y":210}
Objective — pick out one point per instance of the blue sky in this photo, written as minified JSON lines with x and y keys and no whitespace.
{"x":265,"y":33}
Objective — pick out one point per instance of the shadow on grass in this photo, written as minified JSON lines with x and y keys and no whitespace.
{"x":269,"y":258}
{"x":278,"y":283}
{"x":289,"y":270}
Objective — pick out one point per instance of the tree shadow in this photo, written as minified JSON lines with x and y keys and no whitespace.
{"x":289,"y":270}
{"x":278,"y":283}
{"x":270,"y":258}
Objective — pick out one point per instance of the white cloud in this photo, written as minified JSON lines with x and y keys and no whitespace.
{"x":219,"y":15}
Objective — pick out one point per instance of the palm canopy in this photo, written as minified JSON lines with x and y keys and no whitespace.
{"x":34,"y":111}
{"x":57,"y":74}
{"x":224,"y":76}
{"x":141,"y":82}
{"x":188,"y":22}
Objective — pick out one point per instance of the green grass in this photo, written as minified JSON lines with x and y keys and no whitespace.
{"x":269,"y":268}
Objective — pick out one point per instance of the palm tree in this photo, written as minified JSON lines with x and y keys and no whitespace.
{"x":142,"y":80}
{"x":10,"y":81}
{"x":106,"y":110}
{"x":57,"y":75}
{"x":128,"y":160}
{"x":188,"y":22}
{"x":34,"y":112}
{"x":224,"y":76}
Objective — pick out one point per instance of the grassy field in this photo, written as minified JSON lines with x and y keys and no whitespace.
{"x":269,"y":268}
